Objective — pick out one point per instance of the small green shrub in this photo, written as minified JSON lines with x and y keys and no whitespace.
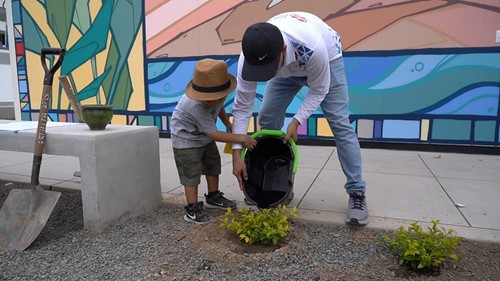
{"x":423,"y":250}
{"x":265,"y":227}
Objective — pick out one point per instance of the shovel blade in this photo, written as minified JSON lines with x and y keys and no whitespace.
{"x":24,"y":215}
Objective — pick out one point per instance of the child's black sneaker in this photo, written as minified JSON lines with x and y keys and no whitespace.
{"x":218,"y":201}
{"x":195,"y":214}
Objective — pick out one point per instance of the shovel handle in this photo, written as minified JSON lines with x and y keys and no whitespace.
{"x":71,"y":96}
{"x":49,"y":73}
{"x":40,"y":134}
{"x":44,"y":110}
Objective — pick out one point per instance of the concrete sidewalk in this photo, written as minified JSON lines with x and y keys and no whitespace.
{"x":460,"y":190}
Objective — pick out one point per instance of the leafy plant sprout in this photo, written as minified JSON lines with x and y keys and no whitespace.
{"x":423,"y":250}
{"x":268,"y":226}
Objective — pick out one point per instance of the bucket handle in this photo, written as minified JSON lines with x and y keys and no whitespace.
{"x":275,"y":133}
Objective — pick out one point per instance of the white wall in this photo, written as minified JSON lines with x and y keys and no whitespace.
{"x":5,"y":68}
{"x":8,"y":81}
{"x":6,"y":92}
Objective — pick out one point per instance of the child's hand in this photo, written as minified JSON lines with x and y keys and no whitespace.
{"x":249,"y":142}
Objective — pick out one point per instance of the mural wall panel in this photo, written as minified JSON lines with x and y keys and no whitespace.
{"x":418,"y":71}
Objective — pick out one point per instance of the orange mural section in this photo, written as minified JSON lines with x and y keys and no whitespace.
{"x":167,"y":30}
{"x":215,"y":27}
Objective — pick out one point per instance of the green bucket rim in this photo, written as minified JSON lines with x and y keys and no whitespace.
{"x":276,"y":133}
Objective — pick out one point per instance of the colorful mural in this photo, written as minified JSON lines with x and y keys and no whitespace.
{"x":104,"y":58}
{"x":418,"y":71}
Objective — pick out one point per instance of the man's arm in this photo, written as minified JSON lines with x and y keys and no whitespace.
{"x":243,"y":103}
{"x":239,"y":168}
{"x":318,"y":81}
{"x":242,"y":111}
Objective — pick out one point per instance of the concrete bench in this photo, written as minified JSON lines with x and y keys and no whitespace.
{"x":120,"y":167}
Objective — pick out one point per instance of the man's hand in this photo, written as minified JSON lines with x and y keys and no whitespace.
{"x":239,"y":168}
{"x":291,"y":131}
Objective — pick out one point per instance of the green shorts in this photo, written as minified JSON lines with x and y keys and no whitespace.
{"x":193,"y":162}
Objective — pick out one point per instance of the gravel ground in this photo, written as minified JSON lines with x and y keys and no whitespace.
{"x":161,"y":246}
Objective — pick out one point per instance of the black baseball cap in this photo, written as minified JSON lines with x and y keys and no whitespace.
{"x":262,"y":44}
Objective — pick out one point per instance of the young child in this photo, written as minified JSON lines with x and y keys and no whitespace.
{"x":194,"y":132}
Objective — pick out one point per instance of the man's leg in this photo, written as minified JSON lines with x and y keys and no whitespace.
{"x":278,"y":95}
{"x":335,"y":107}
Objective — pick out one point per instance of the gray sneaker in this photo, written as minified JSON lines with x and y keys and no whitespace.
{"x":357,"y":212}
{"x":219,"y":201}
{"x":195,"y":214}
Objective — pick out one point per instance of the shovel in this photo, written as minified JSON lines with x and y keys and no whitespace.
{"x":63,"y":80}
{"x":26,"y":211}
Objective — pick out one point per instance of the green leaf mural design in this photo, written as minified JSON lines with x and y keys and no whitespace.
{"x":81,"y":17}
{"x":125,"y":89}
{"x":60,"y":18}
{"x":121,"y":100}
{"x":92,"y":89}
{"x":37,"y":39}
{"x":82,"y":21}
{"x":124,"y":35}
{"x":91,"y":43}
{"x":119,"y":20}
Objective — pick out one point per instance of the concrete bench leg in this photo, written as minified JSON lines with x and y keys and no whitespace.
{"x":120,"y":179}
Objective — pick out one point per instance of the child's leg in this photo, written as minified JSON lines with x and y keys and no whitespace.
{"x":194,"y":209}
{"x":189,"y":169}
{"x":212,"y":183}
{"x":191,"y":194}
{"x":211,"y":170}
{"x":211,"y":166}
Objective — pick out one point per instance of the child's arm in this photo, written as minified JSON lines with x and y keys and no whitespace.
{"x":245,"y":140}
{"x":225,"y":120}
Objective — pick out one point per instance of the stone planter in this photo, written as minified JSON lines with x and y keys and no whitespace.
{"x":97,"y":116}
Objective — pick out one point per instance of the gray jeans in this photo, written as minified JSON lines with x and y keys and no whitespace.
{"x":279,"y":94}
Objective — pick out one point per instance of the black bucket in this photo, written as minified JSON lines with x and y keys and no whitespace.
{"x":271,"y":168}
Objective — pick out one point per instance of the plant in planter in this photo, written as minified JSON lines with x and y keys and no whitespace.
{"x":266,"y":227}
{"x":97,"y":116}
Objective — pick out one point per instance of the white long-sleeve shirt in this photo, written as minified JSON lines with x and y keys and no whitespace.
{"x":311,"y":45}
